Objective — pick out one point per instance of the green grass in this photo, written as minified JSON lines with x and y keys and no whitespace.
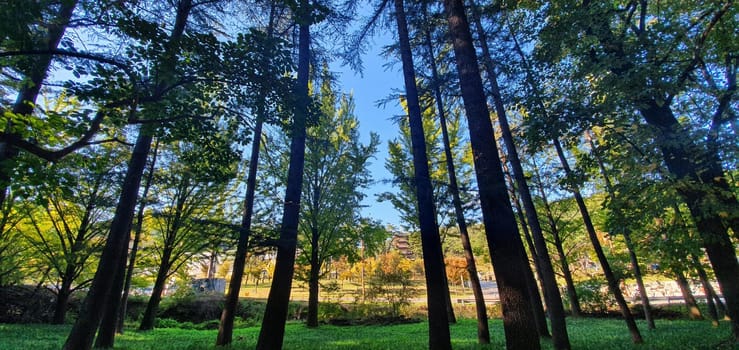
{"x":584,"y":334}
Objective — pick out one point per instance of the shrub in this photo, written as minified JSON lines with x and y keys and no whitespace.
{"x":594,"y":296}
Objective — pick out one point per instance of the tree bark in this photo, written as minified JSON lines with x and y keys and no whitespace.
{"x":536,"y":300}
{"x":610,"y":277}
{"x":504,"y":241}
{"x":552,"y":296}
{"x":106,"y":331}
{"x":83,"y":332}
{"x":706,"y":290}
{"x":483,"y":330}
{"x":136,"y":240}
{"x":225,"y":328}
{"x":273,"y":324}
{"x":62,"y":302}
{"x":150,"y":314}
{"x":694,"y":312}
{"x":439,"y":336}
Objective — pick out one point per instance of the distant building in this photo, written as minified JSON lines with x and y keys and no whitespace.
{"x":399,"y":242}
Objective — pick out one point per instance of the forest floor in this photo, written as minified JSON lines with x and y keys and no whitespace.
{"x":585,"y":333}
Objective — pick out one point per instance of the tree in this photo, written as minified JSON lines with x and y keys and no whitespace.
{"x":504,"y":241}
{"x":68,"y":223}
{"x":335,"y":175}
{"x":551,"y":290}
{"x":439,"y":337}
{"x":189,"y":196}
{"x":609,"y":49}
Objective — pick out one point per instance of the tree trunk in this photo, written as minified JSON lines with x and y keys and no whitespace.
{"x":136,"y":240}
{"x":552,"y":297}
{"x":24,"y":103}
{"x":106,"y":331}
{"x":504,"y":241}
{"x":273,"y":324}
{"x":536,"y":301}
{"x":610,"y":277}
{"x":83,"y":332}
{"x":694,"y":312}
{"x":712,"y":311}
{"x":62,"y":302}
{"x":150,"y":314}
{"x":626,"y":232}
{"x":703,"y":186}
{"x":483,"y":331}
{"x":439,"y":337}
{"x":315,"y":268}
{"x":225,"y":328}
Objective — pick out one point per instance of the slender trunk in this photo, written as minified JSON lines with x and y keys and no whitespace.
{"x":536,"y":300}
{"x":575,"y":308}
{"x":702,"y":184}
{"x":315,"y":268}
{"x":694,"y":312}
{"x":136,"y":240}
{"x":626,"y":232}
{"x":83,"y":332}
{"x":451,"y":318}
{"x":62,"y":301}
{"x":24,"y":103}
{"x":719,"y":304}
{"x":150,"y":314}
{"x":504,"y":241}
{"x":610,"y":277}
{"x":273,"y":324}
{"x":439,"y":337}
{"x":712,"y":311}
{"x":106,"y":331}
{"x":225,"y":328}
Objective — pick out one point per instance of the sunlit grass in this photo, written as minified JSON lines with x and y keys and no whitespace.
{"x":585,"y":333}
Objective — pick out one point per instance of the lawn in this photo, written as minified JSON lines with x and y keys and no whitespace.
{"x":586,"y":333}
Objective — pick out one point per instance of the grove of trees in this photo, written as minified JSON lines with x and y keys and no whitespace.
{"x":567,"y":148}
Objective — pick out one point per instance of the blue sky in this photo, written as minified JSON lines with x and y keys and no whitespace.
{"x":377,"y":83}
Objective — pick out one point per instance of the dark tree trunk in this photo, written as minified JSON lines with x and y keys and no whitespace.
{"x":439,"y":337}
{"x":136,"y":240}
{"x":83,"y":332}
{"x":504,"y":241}
{"x":27,"y":95}
{"x":552,"y":297}
{"x":694,"y":312}
{"x":483,"y":331}
{"x":703,"y":186}
{"x":273,"y":324}
{"x":62,"y":302}
{"x":106,"y":331}
{"x":225,"y":328}
{"x":707,"y":292}
{"x":313,"y":277}
{"x":610,"y":277}
{"x":536,"y":301}
{"x":150,"y":314}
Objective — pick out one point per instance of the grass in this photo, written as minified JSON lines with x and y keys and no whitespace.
{"x":586,"y":333}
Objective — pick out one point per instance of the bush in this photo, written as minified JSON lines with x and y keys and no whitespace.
{"x":594,"y":296}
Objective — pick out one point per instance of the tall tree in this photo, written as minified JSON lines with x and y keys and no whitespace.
{"x":335,"y":176}
{"x":439,"y":337}
{"x":552,"y":295}
{"x":483,"y":331}
{"x":504,"y":241}
{"x":83,"y":332}
{"x":618,"y":39}
{"x":273,"y":324}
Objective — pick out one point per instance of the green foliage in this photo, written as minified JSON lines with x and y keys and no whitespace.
{"x":594,"y":296}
